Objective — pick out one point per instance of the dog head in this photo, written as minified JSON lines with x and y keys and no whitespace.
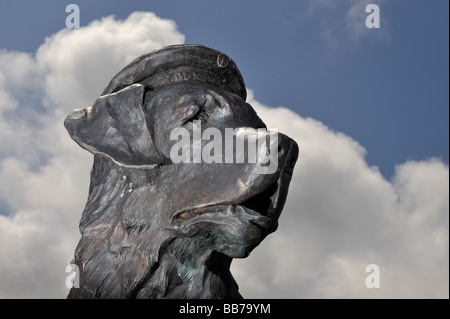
{"x":225,"y":204}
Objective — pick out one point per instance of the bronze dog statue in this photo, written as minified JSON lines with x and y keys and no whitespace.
{"x":156,"y":228}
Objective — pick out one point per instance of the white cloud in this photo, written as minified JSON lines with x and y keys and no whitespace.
{"x":340,"y":216}
{"x":44,"y":175}
{"x":17,"y":70}
{"x":70,"y":56}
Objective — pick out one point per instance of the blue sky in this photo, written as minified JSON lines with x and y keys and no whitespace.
{"x":369,"y":109}
{"x":388,"y":88}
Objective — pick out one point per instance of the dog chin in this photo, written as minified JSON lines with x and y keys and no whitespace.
{"x":228,"y":229}
{"x":233,"y":229}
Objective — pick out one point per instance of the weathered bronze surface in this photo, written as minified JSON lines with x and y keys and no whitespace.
{"x":153,"y":228}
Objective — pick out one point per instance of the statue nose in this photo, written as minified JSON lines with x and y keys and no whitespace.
{"x":288,"y":151}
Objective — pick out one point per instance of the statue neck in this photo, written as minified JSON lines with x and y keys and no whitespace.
{"x":189,"y":270}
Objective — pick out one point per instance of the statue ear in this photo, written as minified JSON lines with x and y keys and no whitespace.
{"x":115,"y":126}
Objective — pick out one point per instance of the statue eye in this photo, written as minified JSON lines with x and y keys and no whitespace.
{"x":147,"y":93}
{"x":202,"y":114}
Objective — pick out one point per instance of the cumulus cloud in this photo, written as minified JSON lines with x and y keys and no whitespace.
{"x":44,"y":175}
{"x":341,"y":214}
{"x":105,"y":46}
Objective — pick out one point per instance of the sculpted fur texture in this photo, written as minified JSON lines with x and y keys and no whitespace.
{"x":158,"y":228}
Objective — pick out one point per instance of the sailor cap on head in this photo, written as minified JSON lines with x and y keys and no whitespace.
{"x":179,"y":63}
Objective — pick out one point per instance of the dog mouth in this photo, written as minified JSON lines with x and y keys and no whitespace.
{"x":262,"y":209}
